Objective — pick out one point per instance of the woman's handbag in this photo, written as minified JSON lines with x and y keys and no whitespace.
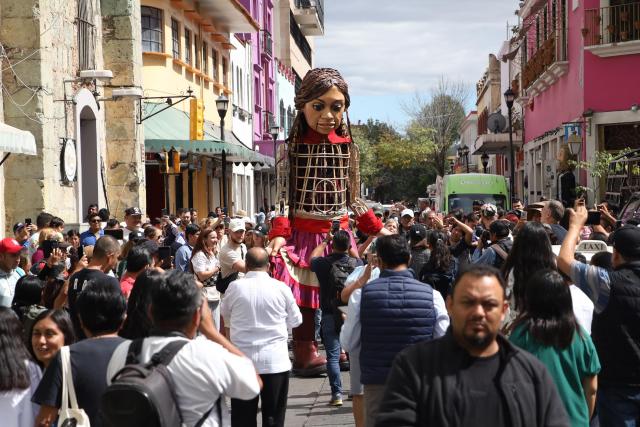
{"x":70,"y":416}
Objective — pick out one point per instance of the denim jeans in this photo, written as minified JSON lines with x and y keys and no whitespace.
{"x":619,"y":406}
{"x":331,"y":342}
{"x":317,"y":318}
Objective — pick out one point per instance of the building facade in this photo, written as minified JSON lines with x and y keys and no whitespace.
{"x":578,"y":76}
{"x":60,"y":60}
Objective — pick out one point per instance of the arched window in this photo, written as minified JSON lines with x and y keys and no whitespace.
{"x":151,"y":29}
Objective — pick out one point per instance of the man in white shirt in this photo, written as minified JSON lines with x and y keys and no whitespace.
{"x":132,"y":221}
{"x":202,"y":371}
{"x":262,"y":310}
{"x":9,"y":260}
{"x":232,"y":254}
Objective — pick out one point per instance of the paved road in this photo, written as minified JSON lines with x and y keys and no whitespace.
{"x":308,"y":403}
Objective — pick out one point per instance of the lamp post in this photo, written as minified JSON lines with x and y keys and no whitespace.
{"x":509,"y":97}
{"x":465,"y":153}
{"x":274,"y":130}
{"x":452,"y":165}
{"x":485,"y":162}
{"x":222,"y":104}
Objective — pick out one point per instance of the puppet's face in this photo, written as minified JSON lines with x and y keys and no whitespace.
{"x":323,"y":114}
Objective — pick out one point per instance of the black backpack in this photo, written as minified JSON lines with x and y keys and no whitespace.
{"x":143,"y":394}
{"x":338,"y":274}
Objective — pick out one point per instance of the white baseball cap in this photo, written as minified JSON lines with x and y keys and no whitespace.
{"x":406,"y":212}
{"x":236,"y":224}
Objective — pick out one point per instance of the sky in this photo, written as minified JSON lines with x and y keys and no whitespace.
{"x":389,"y":51}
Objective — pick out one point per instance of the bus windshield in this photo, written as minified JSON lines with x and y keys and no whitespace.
{"x":465,"y":201}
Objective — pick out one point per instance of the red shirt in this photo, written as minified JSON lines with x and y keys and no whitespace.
{"x":126,"y":284}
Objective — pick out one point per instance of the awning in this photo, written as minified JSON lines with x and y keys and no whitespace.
{"x":496,"y":143}
{"x":170,"y":129}
{"x":13,"y":140}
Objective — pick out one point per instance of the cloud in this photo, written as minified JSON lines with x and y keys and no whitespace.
{"x":401,"y":47}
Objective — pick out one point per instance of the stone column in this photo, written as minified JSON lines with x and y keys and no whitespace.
{"x":122,"y":52}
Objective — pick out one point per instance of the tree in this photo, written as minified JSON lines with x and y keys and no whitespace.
{"x":438,"y":120}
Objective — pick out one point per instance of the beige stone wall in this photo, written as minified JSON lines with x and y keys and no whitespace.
{"x":125,"y":139}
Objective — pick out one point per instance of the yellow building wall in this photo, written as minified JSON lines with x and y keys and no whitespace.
{"x":164,"y":76}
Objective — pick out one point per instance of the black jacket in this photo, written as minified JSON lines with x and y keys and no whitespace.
{"x":423,"y":388}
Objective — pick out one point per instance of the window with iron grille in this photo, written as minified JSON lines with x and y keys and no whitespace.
{"x":225,"y":79}
{"x":151,"y":29}
{"x":187,"y":46}
{"x":205,"y":58}
{"x":86,"y":35}
{"x":175,"y":38}
{"x":196,"y":46}
{"x":214,"y":64}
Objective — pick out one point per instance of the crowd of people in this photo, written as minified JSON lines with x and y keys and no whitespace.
{"x":445,"y":319}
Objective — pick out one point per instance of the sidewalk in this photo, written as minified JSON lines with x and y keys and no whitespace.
{"x":308,"y":403}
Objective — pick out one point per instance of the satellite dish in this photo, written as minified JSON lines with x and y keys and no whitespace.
{"x":496,"y":123}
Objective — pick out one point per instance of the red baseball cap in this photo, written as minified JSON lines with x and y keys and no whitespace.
{"x":9,"y":245}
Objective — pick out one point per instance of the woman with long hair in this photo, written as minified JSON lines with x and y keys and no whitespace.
{"x":440,"y":269}
{"x":204,"y":264}
{"x":137,"y":324}
{"x":548,"y":329}
{"x":51,"y":331}
{"x":531,"y":252}
{"x":19,"y":375}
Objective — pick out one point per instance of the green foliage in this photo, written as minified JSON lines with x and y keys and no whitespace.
{"x":598,"y":167}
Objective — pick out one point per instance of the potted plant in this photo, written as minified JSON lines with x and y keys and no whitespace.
{"x":611,"y":29}
{"x":637,"y":24}
{"x":624,"y":35}
{"x":624,"y":15}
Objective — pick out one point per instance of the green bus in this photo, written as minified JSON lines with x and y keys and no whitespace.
{"x":460,"y":190}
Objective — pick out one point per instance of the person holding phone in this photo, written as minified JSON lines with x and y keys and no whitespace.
{"x":95,"y":231}
{"x":21,"y":233}
{"x":552,"y":214}
{"x":132,"y":220}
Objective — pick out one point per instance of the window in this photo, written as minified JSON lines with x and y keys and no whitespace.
{"x":196,"y":44}
{"x":187,"y":46}
{"x":225,"y":80}
{"x":86,"y":35}
{"x":175,"y":38}
{"x":151,"y":29}
{"x":282,"y":113}
{"x":214,"y":64}
{"x":205,"y":59}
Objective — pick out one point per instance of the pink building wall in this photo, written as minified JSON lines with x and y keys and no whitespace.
{"x":606,"y":84}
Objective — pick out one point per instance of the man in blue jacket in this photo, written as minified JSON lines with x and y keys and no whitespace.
{"x":396,"y":311}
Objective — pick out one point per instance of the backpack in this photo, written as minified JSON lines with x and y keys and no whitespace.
{"x":143,"y":394}
{"x":502,"y":252}
{"x":338,"y":274}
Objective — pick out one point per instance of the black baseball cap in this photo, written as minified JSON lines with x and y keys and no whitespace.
{"x":136,"y":235}
{"x":626,"y":240}
{"x":417,"y":232}
{"x":133,"y":211}
{"x":18,"y":226}
{"x":261,"y":229}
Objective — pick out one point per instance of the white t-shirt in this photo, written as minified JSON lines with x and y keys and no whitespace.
{"x":15,"y":405}
{"x":229,"y":255}
{"x":202,"y":371}
{"x":582,"y":307}
{"x":202,"y":262}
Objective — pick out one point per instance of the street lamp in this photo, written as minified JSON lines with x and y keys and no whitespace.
{"x":274,"y":130}
{"x":465,"y":153}
{"x":222,"y":104}
{"x":575,"y":143}
{"x":452,"y":165}
{"x":485,"y":161}
{"x":509,"y":97}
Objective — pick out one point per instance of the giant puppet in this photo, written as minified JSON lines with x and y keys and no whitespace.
{"x":323,"y":180}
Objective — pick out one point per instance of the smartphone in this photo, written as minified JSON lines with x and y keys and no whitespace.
{"x":164,"y":252}
{"x":27,"y":221}
{"x":164,"y":212}
{"x":48,"y":246}
{"x":117,"y":234}
{"x":593,"y":217}
{"x":335,"y":226}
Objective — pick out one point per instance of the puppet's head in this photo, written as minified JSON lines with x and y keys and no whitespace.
{"x":322,"y":101}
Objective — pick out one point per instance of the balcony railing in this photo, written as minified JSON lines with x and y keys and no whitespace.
{"x":548,"y":54}
{"x":300,"y":39}
{"x":613,"y":24}
{"x":266,"y":43}
{"x":267,"y":121}
{"x":318,"y":5}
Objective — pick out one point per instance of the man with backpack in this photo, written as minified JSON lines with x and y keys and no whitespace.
{"x":170,"y":378}
{"x":494,"y":246}
{"x":332,"y":272}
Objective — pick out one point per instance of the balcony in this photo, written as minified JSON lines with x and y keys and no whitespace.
{"x":266,"y":44}
{"x":300,"y":40}
{"x":267,"y":120}
{"x":612,"y":31}
{"x":545,"y":67}
{"x":309,"y":14}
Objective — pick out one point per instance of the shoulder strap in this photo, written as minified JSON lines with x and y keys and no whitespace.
{"x":206,"y":414}
{"x":168,"y":352}
{"x":501,"y":252}
{"x":133,"y":354}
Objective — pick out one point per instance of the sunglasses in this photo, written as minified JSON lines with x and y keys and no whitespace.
{"x":93,"y":221}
